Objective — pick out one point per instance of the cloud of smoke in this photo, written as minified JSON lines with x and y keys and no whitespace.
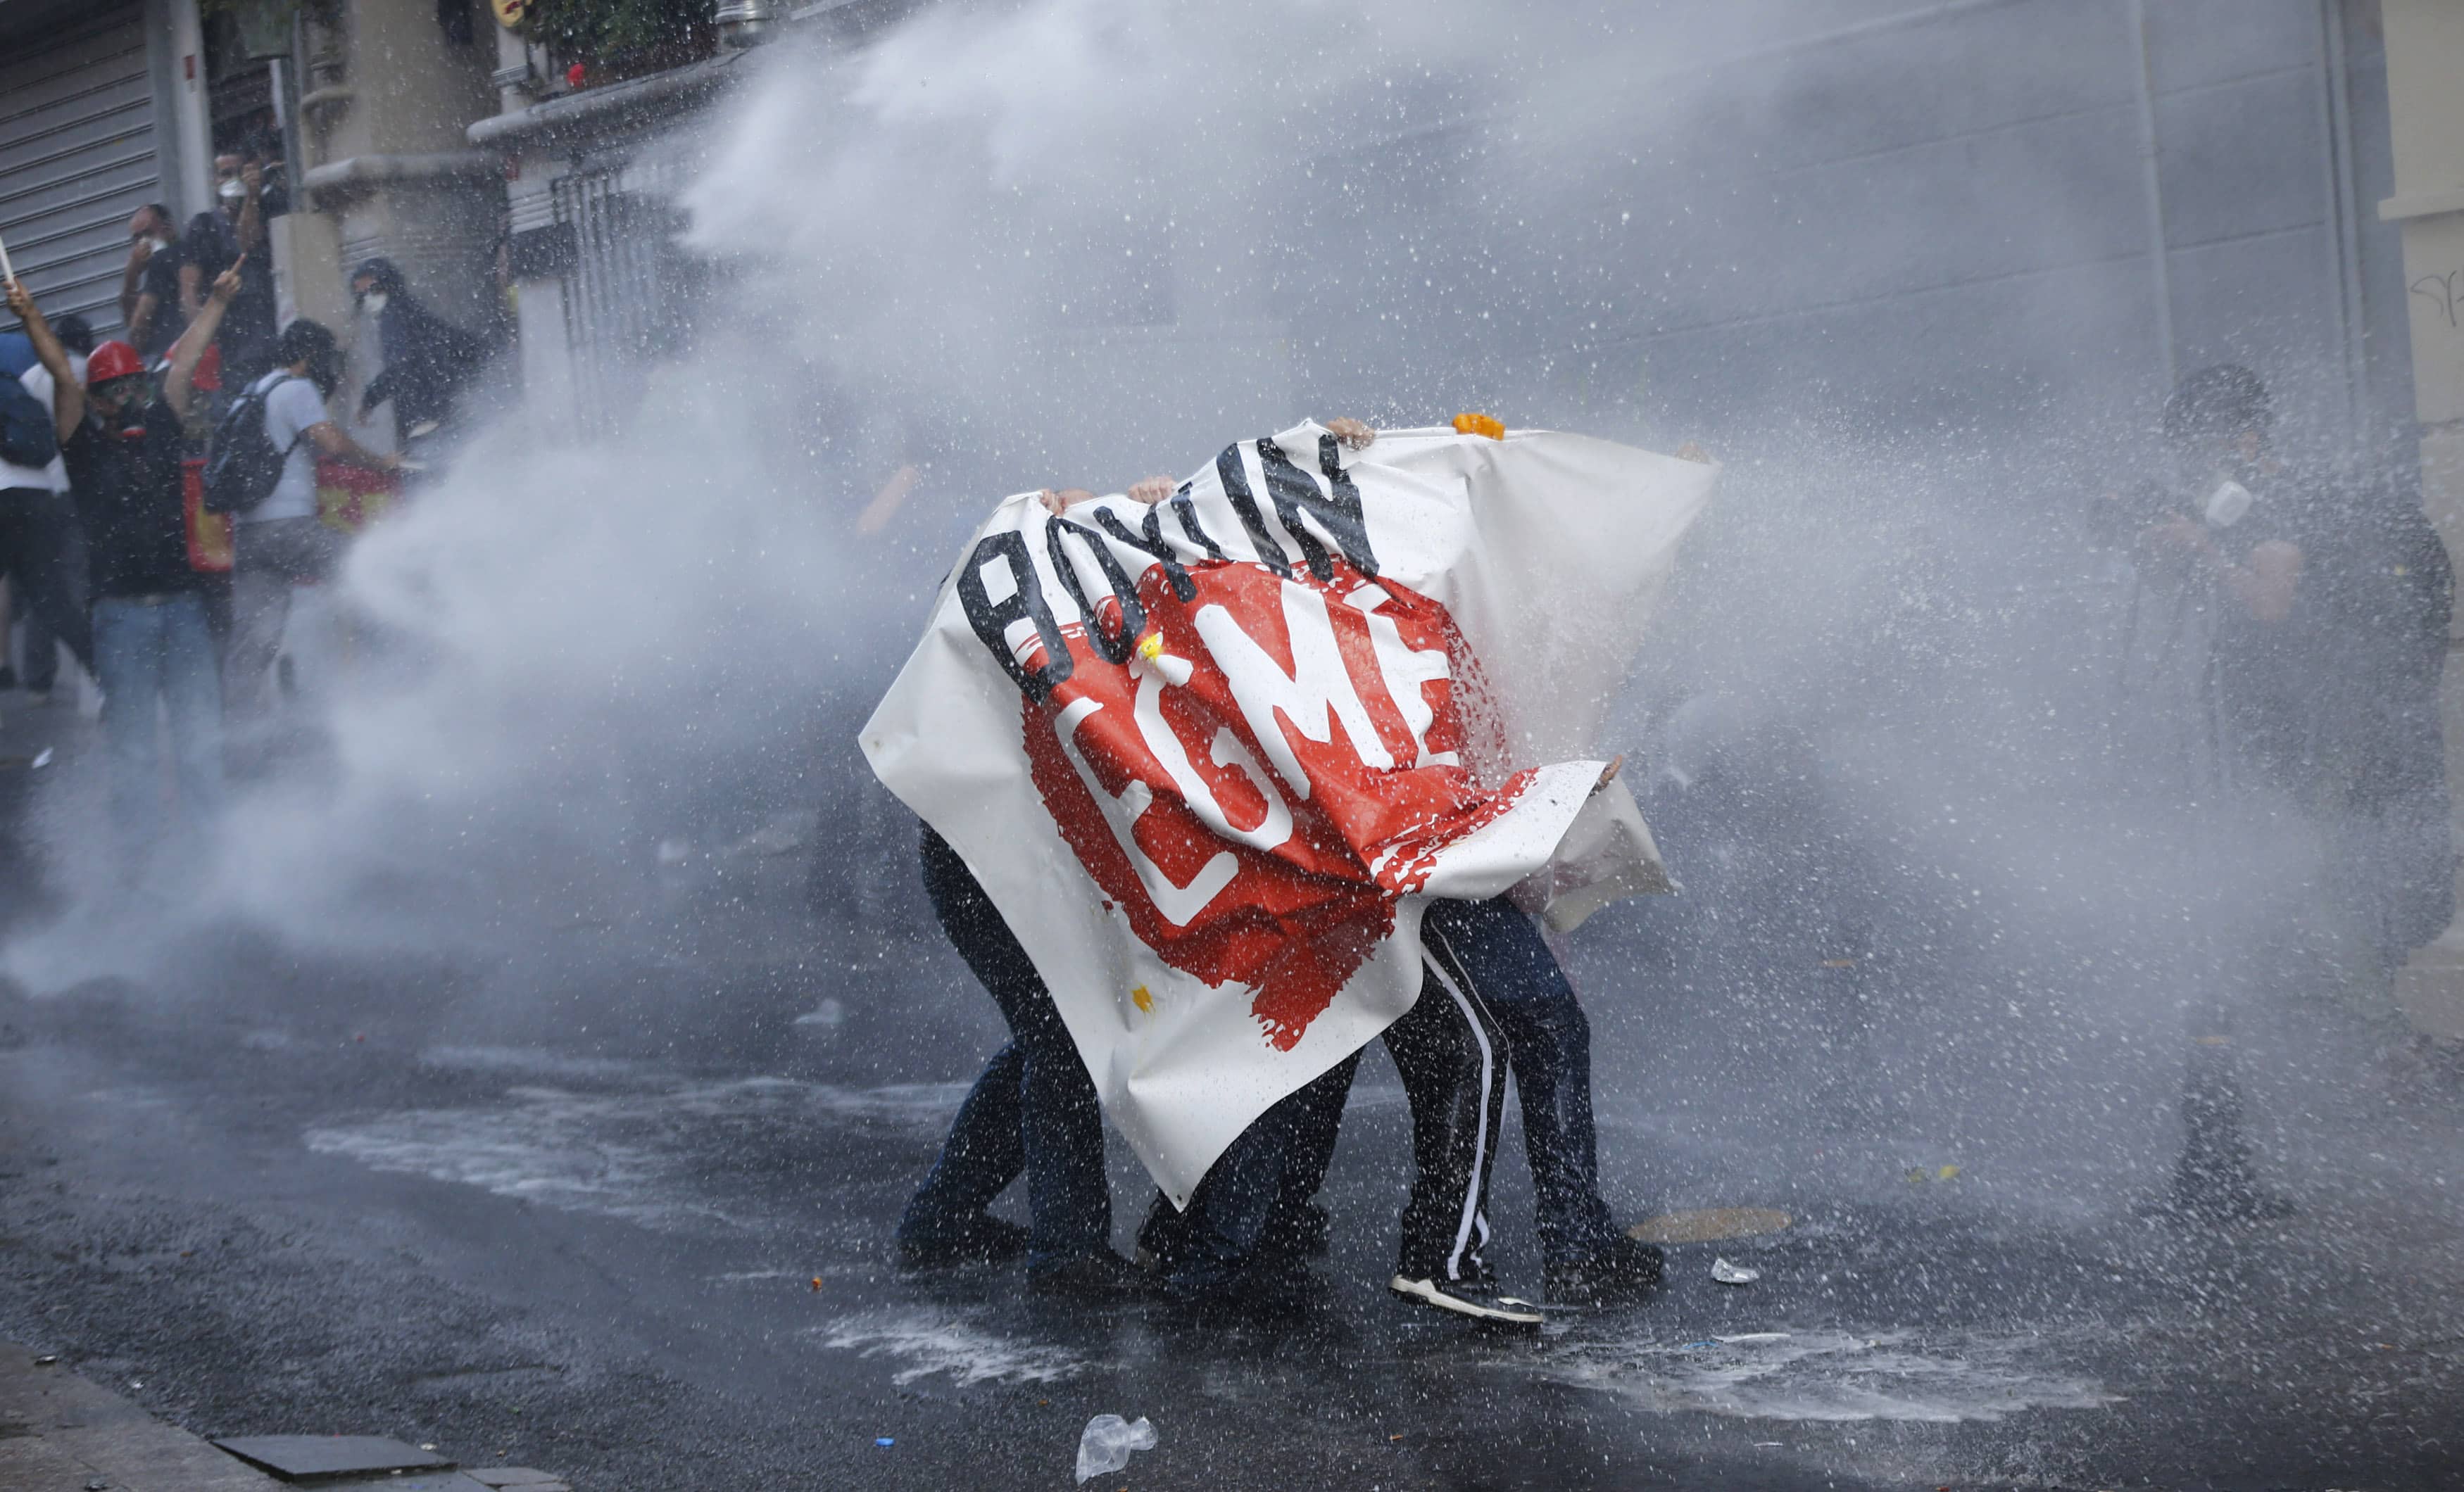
{"x":1076,"y":241}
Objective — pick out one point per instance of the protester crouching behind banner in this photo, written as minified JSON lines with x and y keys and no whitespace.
{"x":1253,"y":930}
{"x":1256,"y":1212}
{"x":1033,"y":1109}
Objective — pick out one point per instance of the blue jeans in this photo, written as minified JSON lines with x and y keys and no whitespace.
{"x":1033,"y":1108}
{"x":148,"y":649}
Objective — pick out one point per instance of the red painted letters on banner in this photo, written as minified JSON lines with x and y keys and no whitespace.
{"x":1278,"y":762}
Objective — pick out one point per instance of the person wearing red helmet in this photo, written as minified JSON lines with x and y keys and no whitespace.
{"x":152,"y":641}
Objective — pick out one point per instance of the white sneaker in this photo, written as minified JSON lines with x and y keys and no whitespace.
{"x":1463,"y":1298}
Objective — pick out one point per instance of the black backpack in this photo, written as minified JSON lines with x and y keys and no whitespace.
{"x":242,"y":466}
{"x":28,"y":438}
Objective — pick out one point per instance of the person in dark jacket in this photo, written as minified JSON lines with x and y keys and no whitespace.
{"x":38,"y":523}
{"x":428,"y":360}
{"x":230,"y":234}
{"x":151,"y":640}
{"x":40,"y":643}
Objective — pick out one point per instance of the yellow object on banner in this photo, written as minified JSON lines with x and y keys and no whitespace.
{"x":350,"y":498}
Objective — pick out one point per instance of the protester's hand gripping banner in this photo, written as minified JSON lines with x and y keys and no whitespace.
{"x":1211,"y":757}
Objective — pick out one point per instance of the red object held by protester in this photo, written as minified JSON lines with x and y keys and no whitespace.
{"x":351,"y":498}
{"x":209,"y":534}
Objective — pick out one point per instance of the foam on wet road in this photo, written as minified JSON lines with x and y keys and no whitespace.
{"x":1826,"y":1375}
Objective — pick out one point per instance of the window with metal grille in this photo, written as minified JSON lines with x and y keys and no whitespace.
{"x":630,"y":291}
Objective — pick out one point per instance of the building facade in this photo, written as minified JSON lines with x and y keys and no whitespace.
{"x":1951,"y":209}
{"x":104,"y":108}
{"x":2425,"y":56}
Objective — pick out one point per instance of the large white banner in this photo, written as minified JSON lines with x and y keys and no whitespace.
{"x":1211,"y":757}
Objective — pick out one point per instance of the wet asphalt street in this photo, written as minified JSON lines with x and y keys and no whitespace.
{"x":618,"y":1205}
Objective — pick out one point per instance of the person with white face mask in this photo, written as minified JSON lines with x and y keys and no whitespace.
{"x":214,"y":241}
{"x":428,"y":360}
{"x":149,"y":288}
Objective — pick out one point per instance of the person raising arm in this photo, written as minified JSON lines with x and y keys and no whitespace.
{"x":179,"y":377}
{"x":150,"y":287}
{"x":68,"y":394}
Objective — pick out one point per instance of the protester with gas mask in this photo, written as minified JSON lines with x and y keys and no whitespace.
{"x":152,"y":639}
{"x":428,"y":360}
{"x":220,"y":237}
{"x":278,"y":542}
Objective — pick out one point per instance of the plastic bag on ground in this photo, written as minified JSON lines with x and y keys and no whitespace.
{"x":1108,"y":1443}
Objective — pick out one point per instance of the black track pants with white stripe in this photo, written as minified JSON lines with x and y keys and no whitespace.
{"x":1452,"y":1059}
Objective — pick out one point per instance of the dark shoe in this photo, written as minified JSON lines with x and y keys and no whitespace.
{"x":1478,"y":1300}
{"x":982,"y":1240}
{"x":1090,"y":1277}
{"x":1624,"y":1272}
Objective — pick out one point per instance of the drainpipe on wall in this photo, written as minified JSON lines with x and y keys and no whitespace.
{"x":193,"y":189}
{"x":2152,"y":187}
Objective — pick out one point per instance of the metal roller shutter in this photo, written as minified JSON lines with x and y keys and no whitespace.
{"x":76,"y":158}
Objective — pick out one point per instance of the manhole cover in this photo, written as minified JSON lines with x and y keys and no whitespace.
{"x":1708,"y":1225}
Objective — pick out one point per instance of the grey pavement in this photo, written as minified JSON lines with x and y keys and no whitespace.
{"x":618,"y":1206}
{"x":60,"y":1433}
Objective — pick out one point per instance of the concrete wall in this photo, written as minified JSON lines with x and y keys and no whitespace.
{"x":389,"y":98}
{"x":1944,"y":212}
{"x":2426,"y":119}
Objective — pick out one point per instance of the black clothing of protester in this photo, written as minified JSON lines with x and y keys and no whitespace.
{"x":1451,"y":1053}
{"x":428,"y":360}
{"x":2336,"y":705}
{"x":1526,"y":1010}
{"x":127,"y":485}
{"x":1033,"y":1108}
{"x":38,"y":537}
{"x":160,"y":280}
{"x":247,"y":328}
